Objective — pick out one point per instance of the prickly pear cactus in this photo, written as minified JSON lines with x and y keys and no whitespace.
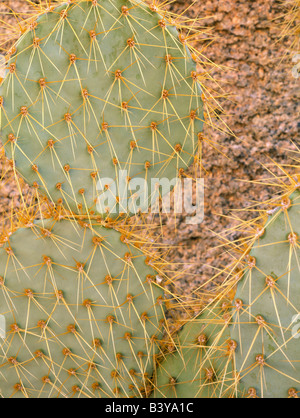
{"x":201,"y":363}
{"x":97,"y":94}
{"x":80,"y":313}
{"x":267,"y":304}
{"x":252,"y":351}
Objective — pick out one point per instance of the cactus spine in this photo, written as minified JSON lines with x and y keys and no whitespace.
{"x":291,"y":29}
{"x":201,"y":362}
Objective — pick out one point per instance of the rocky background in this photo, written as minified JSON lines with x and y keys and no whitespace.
{"x":262,"y":113}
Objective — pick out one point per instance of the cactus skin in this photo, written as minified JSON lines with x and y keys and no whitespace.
{"x":261,"y":325}
{"x":201,"y":365}
{"x":266,"y":323}
{"x":69,"y":287}
{"x":95,"y":87}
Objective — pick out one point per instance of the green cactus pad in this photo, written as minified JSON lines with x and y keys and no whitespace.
{"x":201,"y":363}
{"x":80,"y":314}
{"x":98,"y":87}
{"x":266,"y":321}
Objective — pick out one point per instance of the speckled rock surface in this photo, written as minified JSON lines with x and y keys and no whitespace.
{"x":263,"y":113}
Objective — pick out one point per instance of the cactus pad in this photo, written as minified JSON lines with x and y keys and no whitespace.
{"x":80,"y":313}
{"x":266,"y":321}
{"x":93,"y":88}
{"x":201,"y":363}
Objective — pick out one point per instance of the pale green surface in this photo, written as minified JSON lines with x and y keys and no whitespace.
{"x":274,"y":257}
{"x":189,"y":362}
{"x":27,"y":270}
{"x":96,"y":68}
{"x":278,"y":341}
